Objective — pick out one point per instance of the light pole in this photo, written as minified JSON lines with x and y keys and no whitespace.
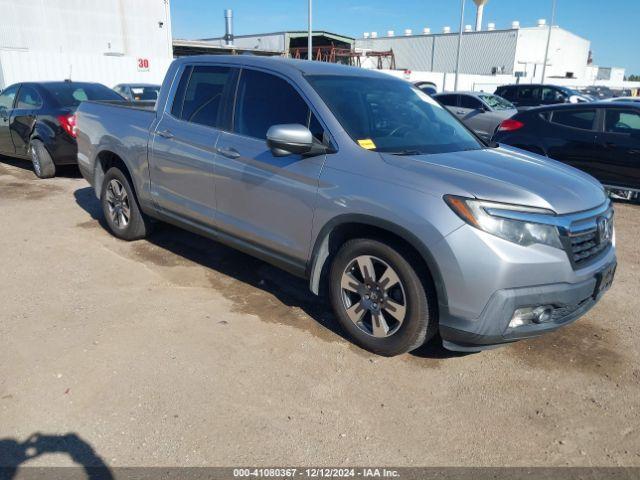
{"x":310,"y":33}
{"x":455,"y":88}
{"x":546,"y":52}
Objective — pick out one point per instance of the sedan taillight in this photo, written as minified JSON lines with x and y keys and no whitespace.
{"x":510,"y":125}
{"x":68,"y":123}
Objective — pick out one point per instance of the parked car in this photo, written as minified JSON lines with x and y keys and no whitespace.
{"x":623,"y":92}
{"x":138,"y":92}
{"x":427,"y":87}
{"x":37,"y":121}
{"x":602,"y":139}
{"x":481,"y":112}
{"x":623,"y":99}
{"x":526,"y":96}
{"x":598,"y":92}
{"x":366,"y":187}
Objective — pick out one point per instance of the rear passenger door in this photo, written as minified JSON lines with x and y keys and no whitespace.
{"x":182,"y":156}
{"x":572,"y":138}
{"x":265,"y":200}
{"x":619,"y":144}
{"x":472,"y":112}
{"x":23,"y":119}
{"x":7,"y":99}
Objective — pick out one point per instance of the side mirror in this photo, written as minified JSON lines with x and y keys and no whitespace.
{"x":290,"y":139}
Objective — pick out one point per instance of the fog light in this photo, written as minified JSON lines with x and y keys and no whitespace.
{"x":529,"y":315}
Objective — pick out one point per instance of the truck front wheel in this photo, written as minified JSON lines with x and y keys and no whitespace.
{"x":120,"y":207}
{"x":379,"y":298}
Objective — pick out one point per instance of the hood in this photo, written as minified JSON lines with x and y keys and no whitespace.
{"x":503,"y":175}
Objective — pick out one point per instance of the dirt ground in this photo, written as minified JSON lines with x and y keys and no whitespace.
{"x":177,"y":351}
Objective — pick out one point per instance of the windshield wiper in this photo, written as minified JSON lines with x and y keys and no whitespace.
{"x":407,"y":152}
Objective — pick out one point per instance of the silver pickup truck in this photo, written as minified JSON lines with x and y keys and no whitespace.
{"x":363,"y":185}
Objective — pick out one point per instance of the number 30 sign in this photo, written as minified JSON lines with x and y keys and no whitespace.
{"x":143,"y":64}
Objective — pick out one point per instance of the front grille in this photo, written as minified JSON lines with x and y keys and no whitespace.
{"x":587,"y":246}
{"x":586,"y":240}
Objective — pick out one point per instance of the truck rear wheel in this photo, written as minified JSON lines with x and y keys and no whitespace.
{"x":120,"y":207}
{"x":379,"y":298}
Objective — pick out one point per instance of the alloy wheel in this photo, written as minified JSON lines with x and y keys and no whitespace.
{"x":373,"y":296}
{"x":118,"y":204}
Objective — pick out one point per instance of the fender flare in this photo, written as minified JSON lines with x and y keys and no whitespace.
{"x":321,"y":250}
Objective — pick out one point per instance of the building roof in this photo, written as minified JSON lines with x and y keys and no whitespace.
{"x":183,"y":47}
{"x":294,"y":34}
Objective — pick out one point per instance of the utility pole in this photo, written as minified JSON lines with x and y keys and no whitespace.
{"x":310,"y":33}
{"x":459,"y":44}
{"x":546,"y":53}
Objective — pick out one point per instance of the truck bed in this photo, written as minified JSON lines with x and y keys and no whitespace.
{"x":122,"y":127}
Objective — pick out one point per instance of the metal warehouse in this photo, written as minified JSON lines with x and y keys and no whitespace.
{"x":289,"y":42}
{"x":514,"y":51}
{"x":109,"y":41}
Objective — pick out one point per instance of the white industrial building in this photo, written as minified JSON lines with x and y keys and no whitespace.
{"x":107,"y":41}
{"x":513,"y":52}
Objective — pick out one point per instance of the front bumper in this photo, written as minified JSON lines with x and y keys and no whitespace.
{"x":491,"y":329}
{"x":487,"y":278}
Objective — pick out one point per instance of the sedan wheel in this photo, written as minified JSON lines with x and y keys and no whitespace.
{"x":43,"y":165}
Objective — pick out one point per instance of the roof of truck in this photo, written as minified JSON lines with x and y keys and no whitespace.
{"x":304,"y":66}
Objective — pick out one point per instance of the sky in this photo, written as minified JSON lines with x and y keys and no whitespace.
{"x":612,"y":26}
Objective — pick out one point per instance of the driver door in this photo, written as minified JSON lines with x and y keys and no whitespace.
{"x":266,"y":200}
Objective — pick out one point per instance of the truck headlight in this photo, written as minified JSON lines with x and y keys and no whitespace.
{"x":518,"y":224}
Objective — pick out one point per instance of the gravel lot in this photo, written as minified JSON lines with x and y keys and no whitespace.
{"x":178,"y":351}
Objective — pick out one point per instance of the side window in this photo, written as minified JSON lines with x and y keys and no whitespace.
{"x":622,"y":121}
{"x":582,"y":119}
{"x":178,"y":99}
{"x":510,"y":93}
{"x":29,"y":98}
{"x":467,"y":101}
{"x":448,"y":100}
{"x":552,"y":95}
{"x":200,"y":95}
{"x":316,"y":128}
{"x":529,"y":93}
{"x":265,"y":100}
{"x":7,"y":97}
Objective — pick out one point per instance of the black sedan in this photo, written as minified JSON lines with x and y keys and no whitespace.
{"x":37,"y":121}
{"x":602,"y":139}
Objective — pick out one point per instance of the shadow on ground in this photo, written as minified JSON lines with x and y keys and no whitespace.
{"x":64,"y":171}
{"x":291,"y":292}
{"x":14,"y":453}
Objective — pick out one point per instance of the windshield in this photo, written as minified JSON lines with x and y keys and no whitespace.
{"x":71,"y":94}
{"x":496,"y":103}
{"x":570,"y":91}
{"x":392,"y":116}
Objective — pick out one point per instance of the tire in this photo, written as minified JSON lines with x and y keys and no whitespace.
{"x":121,"y":209}
{"x":402,"y":300}
{"x":43,"y":165}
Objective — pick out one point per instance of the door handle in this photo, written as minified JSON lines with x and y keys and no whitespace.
{"x":165,"y":134}
{"x":229,"y":152}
